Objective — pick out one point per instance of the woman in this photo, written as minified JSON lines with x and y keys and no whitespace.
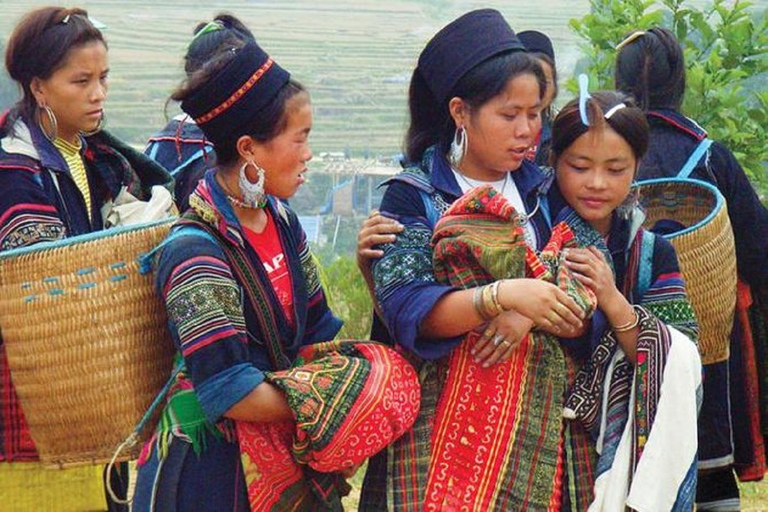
{"x":474,"y":114}
{"x":540,"y":46}
{"x":181,"y":147}
{"x":651,"y":67}
{"x":642,"y":337}
{"x":261,"y":414}
{"x":59,"y":171}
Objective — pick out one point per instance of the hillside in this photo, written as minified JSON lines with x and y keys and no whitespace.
{"x":355,"y":56}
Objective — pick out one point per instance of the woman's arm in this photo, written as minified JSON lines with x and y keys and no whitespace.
{"x":265,"y":404}
{"x":207,"y":322}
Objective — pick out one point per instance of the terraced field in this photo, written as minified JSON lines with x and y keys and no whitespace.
{"x":355,"y":56}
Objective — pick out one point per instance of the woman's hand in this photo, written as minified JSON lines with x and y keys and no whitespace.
{"x":591,"y":269}
{"x":376,"y":230}
{"x":501,"y":336}
{"x":549,"y":307}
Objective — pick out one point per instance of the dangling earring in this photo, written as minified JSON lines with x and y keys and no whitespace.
{"x":458,"y":146}
{"x":631,"y":202}
{"x":253,"y":193}
{"x":99,"y":127}
{"x":54,"y":125}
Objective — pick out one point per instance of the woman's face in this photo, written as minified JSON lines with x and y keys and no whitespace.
{"x":284,"y":158}
{"x":595,"y":174}
{"x":76,"y":91}
{"x":501,"y":131}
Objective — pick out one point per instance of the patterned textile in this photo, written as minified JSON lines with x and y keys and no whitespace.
{"x":350,"y":399}
{"x":497,"y":437}
{"x":608,"y":387}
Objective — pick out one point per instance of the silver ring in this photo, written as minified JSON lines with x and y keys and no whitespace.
{"x":498,"y":339}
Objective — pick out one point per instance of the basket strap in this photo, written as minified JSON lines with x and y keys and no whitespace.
{"x":646,"y":264}
{"x":693,"y":160}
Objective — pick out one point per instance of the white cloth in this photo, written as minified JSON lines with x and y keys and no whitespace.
{"x":671,"y":446}
{"x":126,"y":209}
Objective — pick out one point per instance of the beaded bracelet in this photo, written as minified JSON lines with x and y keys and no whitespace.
{"x":629,"y":325}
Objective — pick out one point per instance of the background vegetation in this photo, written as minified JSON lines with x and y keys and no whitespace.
{"x":726,"y":53}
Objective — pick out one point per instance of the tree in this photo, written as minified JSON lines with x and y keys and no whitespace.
{"x":726,"y":53}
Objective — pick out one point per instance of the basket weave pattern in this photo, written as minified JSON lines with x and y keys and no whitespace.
{"x":86,"y":339}
{"x":706,"y":253}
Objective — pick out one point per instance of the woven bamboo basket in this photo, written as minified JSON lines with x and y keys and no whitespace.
{"x":706,"y":252}
{"x":86,"y":339}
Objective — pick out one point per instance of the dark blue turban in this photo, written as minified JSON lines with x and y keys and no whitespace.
{"x":463,"y":44}
{"x":224,"y":105}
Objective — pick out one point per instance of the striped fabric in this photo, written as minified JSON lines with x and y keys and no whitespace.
{"x":619,"y":403}
{"x":497,"y":442}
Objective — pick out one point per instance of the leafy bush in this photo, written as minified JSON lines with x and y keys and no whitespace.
{"x":726,"y":53}
{"x":347,"y":294}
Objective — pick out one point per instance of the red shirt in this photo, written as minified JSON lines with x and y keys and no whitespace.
{"x":267,"y":245}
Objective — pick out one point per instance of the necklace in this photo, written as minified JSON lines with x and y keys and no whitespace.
{"x":235,"y":201}
{"x":242,"y":204}
{"x":526,"y":217}
{"x":470,"y":185}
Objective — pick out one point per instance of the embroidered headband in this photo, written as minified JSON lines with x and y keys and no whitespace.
{"x":224,"y":105}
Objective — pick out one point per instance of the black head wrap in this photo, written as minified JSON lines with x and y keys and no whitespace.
{"x":537,"y":42}
{"x":225,"y":104}
{"x":463,"y":44}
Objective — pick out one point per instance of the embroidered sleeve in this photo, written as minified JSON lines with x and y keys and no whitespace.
{"x":205,"y":314}
{"x":404,"y":281}
{"x":27,"y":215}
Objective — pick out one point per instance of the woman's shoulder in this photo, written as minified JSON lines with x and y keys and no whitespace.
{"x":17,"y":150}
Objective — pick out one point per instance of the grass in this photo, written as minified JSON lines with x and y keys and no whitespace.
{"x":754,"y":496}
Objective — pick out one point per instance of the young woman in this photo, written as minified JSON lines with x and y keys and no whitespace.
{"x":475,"y":100}
{"x":638,"y":392}
{"x":651,"y":67}
{"x":57,"y":171}
{"x":245,"y":307}
{"x":540,"y":46}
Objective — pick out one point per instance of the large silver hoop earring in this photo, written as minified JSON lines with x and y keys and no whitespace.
{"x":99,"y":127}
{"x":54,"y":125}
{"x":253,"y":193}
{"x":458,"y":146}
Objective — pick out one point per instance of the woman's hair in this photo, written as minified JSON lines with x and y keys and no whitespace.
{"x":651,"y":68}
{"x":230,"y":32}
{"x":431,"y":122}
{"x":39,"y":46}
{"x":207,"y":56}
{"x":546,"y":58}
{"x":628,"y":121}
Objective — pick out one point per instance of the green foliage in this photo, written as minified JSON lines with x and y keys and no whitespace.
{"x":347,"y":295}
{"x":726,"y":53}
